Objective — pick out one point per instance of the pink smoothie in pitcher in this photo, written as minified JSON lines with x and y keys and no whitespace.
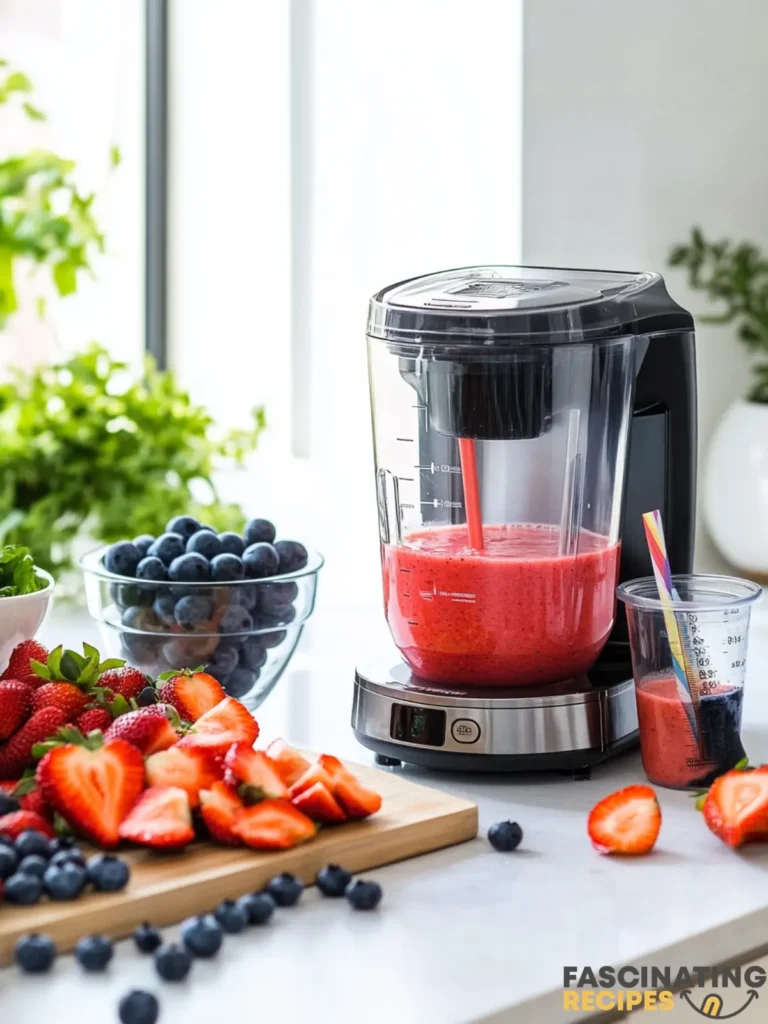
{"x":516,"y":614}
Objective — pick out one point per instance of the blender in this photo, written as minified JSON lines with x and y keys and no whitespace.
{"x":523,"y":420}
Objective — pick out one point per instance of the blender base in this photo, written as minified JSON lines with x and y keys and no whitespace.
{"x":566,"y":727}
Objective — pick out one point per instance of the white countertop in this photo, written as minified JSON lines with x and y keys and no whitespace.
{"x":463,"y":935}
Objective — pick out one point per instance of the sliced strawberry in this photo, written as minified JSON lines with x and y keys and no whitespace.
{"x":15,"y":706}
{"x":189,"y":769}
{"x":332,"y":765}
{"x":160,"y":819}
{"x":273,"y":825}
{"x":219,"y":807}
{"x":319,"y":804}
{"x":290,"y":765}
{"x":192,"y":693}
{"x":311,"y":777}
{"x":254,"y":773}
{"x":13,"y":824}
{"x":125,"y":681}
{"x":625,"y":822}
{"x":25,"y":652}
{"x":148,"y":729}
{"x":92,"y":786}
{"x":16,"y":753}
{"x":227,"y":723}
{"x":94,"y":719}
{"x":736,"y":806}
{"x":356,"y":799}
{"x":68,"y":697}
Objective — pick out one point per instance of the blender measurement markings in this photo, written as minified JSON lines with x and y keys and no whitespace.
{"x":440,"y":503}
{"x":407,"y":440}
{"x":443,"y":467}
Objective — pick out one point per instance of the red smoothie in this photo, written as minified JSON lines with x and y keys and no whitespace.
{"x":515,"y":614}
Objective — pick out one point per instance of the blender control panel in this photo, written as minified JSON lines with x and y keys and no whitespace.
{"x":411,"y":724}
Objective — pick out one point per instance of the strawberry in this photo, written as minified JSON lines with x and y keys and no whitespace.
{"x":13,"y":824}
{"x":273,"y":825}
{"x":161,"y":819}
{"x":16,"y":753}
{"x":25,"y":652}
{"x":289,"y":763}
{"x":125,"y":681}
{"x":191,"y":770}
{"x":311,"y":777}
{"x":332,"y":765}
{"x":319,"y":804}
{"x":15,"y":706}
{"x":93,"y":785}
{"x":356,"y":799}
{"x":191,"y":693}
{"x":254,"y":774}
{"x":148,"y":729}
{"x":219,"y":807}
{"x":625,"y":822}
{"x":736,"y":806}
{"x":227,"y":723}
{"x":71,"y":699}
{"x":94,"y":719}
{"x":30,"y":796}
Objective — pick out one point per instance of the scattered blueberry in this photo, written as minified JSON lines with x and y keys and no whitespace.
{"x":65,"y":881}
{"x":167,"y":547}
{"x":94,"y":952}
{"x":23,"y":889}
{"x":63,"y":843}
{"x":151,"y":568}
{"x":285,"y":889}
{"x":122,"y":558}
{"x":191,"y":567}
{"x":202,"y":935}
{"x":253,"y":654}
{"x":8,"y":861}
{"x":223,"y":661}
{"x":259,"y":530}
{"x":235,"y":620}
{"x":505,"y":836}
{"x":35,"y":953}
{"x":185,"y":526}
{"x":259,"y":907}
{"x":172,"y":962}
{"x":138,"y":1007}
{"x":108,"y":873}
{"x":231,"y":917}
{"x":193,"y":612}
{"x":333,"y":880}
{"x":239,"y":683}
{"x":142,"y":543}
{"x":293,"y":556}
{"x":205,"y":543}
{"x":147,"y":938}
{"x":260,"y":560}
{"x":226,"y":568}
{"x":31,"y":843}
{"x":143,"y":619}
{"x":164,"y":607}
{"x":33,"y":865}
{"x":67,"y":857}
{"x":232,"y":543}
{"x":8,"y":804}
{"x":363,"y":895}
{"x":147,"y":697}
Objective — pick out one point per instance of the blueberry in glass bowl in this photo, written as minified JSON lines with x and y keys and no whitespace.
{"x":240,"y":615}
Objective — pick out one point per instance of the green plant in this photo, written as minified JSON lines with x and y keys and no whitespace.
{"x":17,"y":572}
{"x":87,"y":447}
{"x":736,"y":277}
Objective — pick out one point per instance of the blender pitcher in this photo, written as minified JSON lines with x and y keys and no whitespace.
{"x":501,"y":401}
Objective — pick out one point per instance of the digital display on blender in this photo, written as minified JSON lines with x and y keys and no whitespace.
{"x":417,"y":725}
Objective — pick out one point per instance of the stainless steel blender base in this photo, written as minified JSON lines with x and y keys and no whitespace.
{"x":568,"y":726}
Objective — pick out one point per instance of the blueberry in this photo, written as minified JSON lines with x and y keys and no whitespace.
{"x":147,"y":697}
{"x":142,"y":619}
{"x":363,"y":895}
{"x":139,"y":648}
{"x":272,"y":639}
{"x":231,"y":917}
{"x":333,"y":880}
{"x":35,"y":953}
{"x":190,"y":568}
{"x":63,"y":843}
{"x":232,"y":543}
{"x":202,"y":935}
{"x":167,"y":547}
{"x":247,"y":597}
{"x":505,"y":836}
{"x":205,"y":543}
{"x":239,"y":683}
{"x":23,"y":889}
{"x":223,"y":661}
{"x":277,"y":595}
{"x":33,"y":842}
{"x":142,"y":543}
{"x":129,"y":595}
{"x":94,"y":952}
{"x":226,"y":568}
{"x":138,"y":1007}
{"x":185,"y":526}
{"x":172,"y":962}
{"x":235,"y":620}
{"x":122,"y":558}
{"x":285,"y":889}
{"x":65,"y":881}
{"x":7,"y":804}
{"x":260,"y":560}
{"x":8,"y":861}
{"x":206,"y":526}
{"x":164,"y":607}
{"x":33,"y":865}
{"x":258,"y":906}
{"x":70,"y":856}
{"x":193,"y":613}
{"x":147,"y":938}
{"x":253,"y":654}
{"x":259,"y":530}
{"x":293,"y":556}
{"x":108,"y":873}
{"x":151,"y":568}
{"x":280,"y":615}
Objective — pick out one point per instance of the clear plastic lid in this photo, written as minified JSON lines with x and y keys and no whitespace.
{"x":503,"y":305}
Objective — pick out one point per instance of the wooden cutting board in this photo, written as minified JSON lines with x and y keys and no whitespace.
{"x":166,"y":888}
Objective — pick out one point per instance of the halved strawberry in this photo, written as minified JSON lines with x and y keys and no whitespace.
{"x":13,"y":824}
{"x":191,"y":693}
{"x":319,"y":804}
{"x":219,"y":807}
{"x":273,"y":825}
{"x":625,"y":822}
{"x":148,"y":729}
{"x":254,"y":774}
{"x":736,"y":806}
{"x":93,"y":786}
{"x":311,"y":777}
{"x":15,"y":706}
{"x":356,"y":799}
{"x":290,"y":765}
{"x":188,"y":769}
{"x":227,"y":723}
{"x":160,"y":819}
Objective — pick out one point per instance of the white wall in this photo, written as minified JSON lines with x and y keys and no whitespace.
{"x":641,"y":120}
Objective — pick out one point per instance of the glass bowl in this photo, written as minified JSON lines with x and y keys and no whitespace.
{"x":243,"y":632}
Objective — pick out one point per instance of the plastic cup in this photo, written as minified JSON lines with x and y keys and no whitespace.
{"x":689,"y":736}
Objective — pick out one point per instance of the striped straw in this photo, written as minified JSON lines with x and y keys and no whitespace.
{"x":654,"y":534}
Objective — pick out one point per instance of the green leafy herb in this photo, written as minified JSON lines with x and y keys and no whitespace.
{"x":17,"y":572}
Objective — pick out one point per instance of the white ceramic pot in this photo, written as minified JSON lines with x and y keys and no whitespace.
{"x":736,"y":487}
{"x":21,"y":617}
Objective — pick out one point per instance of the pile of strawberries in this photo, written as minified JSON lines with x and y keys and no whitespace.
{"x":76,"y":744}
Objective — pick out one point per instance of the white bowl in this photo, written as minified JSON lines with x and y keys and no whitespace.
{"x":21,"y":617}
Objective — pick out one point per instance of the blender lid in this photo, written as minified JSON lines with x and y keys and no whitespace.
{"x":506,"y":304}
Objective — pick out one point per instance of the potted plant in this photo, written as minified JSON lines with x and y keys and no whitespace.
{"x":735,"y":481}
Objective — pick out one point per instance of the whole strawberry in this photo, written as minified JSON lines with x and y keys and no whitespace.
{"x":13,"y":824}
{"x":16,"y":753}
{"x":125,"y":682}
{"x":23,"y":654}
{"x":94,"y":718}
{"x":148,"y":729}
{"x":15,"y":706}
{"x":68,"y":697}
